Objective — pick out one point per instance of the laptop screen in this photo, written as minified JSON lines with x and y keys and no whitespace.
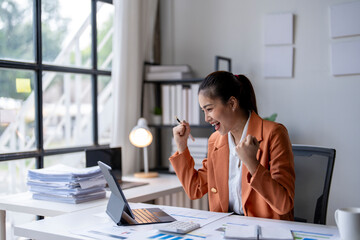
{"x":118,"y":207}
{"x":117,"y":202}
{"x":109,"y":156}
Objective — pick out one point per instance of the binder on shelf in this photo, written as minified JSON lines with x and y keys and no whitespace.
{"x":178,"y":99}
{"x":182,"y":101}
{"x":196,"y":107}
{"x":153,"y":76}
{"x":172,"y":104}
{"x":168,"y":68}
{"x":165,"y":95}
{"x":167,"y":72}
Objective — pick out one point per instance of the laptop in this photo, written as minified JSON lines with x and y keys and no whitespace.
{"x":111,"y":157}
{"x":119,"y":209}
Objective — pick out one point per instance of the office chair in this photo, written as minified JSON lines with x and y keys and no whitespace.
{"x":313,"y":169}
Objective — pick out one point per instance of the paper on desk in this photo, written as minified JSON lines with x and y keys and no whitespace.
{"x":241,"y":232}
{"x":61,"y":173}
{"x":110,"y":231}
{"x":192,"y":215}
{"x":66,"y":192}
{"x":83,"y":183}
{"x":300,"y":231}
{"x":275,"y":233}
{"x":70,"y":198}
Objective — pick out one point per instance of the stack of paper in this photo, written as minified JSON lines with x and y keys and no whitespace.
{"x":61,"y":183}
{"x":167,"y":72}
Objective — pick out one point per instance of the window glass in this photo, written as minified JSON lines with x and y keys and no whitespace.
{"x":66,"y":32}
{"x":13,"y":175}
{"x":76,"y":160}
{"x":16,"y":30}
{"x":67,"y":110}
{"x":105,"y":109}
{"x":16,"y":110}
{"x":104,"y":20}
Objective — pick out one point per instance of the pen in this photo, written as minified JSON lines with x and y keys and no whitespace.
{"x":192,"y":138}
{"x":257,"y":232}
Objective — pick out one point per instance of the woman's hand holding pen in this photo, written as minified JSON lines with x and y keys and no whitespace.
{"x":246,"y":150}
{"x":181,"y":133}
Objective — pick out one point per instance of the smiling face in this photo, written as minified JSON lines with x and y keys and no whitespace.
{"x":218,"y":114}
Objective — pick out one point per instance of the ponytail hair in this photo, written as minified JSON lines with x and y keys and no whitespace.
{"x":223,"y":85}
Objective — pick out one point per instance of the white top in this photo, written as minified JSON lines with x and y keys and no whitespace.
{"x":235,"y":203}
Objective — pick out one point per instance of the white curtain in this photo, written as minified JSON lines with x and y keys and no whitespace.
{"x":134,"y":22}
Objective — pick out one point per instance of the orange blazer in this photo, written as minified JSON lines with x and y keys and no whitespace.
{"x":269,"y":193}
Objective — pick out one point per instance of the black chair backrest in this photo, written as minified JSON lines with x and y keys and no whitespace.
{"x":313,"y":168}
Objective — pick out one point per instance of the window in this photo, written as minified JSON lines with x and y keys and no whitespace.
{"x":55,"y":83}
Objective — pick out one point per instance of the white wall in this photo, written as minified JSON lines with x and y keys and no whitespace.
{"x":316,"y":107}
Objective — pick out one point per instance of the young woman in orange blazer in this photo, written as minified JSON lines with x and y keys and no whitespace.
{"x":249,"y":167}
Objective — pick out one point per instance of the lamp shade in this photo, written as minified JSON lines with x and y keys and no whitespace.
{"x":140,"y":135}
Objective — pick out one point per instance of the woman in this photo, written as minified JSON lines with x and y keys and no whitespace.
{"x":249,"y":167}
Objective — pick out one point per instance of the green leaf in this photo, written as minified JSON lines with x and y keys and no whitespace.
{"x":271,"y":118}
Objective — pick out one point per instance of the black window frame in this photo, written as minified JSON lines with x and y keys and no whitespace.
{"x":38,"y":67}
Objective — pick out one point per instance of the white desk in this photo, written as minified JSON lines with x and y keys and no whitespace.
{"x":67,"y":226}
{"x":163,"y":185}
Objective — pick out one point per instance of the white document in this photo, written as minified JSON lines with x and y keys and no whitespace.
{"x":345,"y":19}
{"x":257,"y":232}
{"x":278,"y":62}
{"x":278,"y":29}
{"x":63,"y":173}
{"x":110,"y":231}
{"x":275,"y":233}
{"x":345,"y":58}
{"x":242,"y":232}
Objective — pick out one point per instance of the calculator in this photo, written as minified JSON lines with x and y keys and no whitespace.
{"x":178,"y":227}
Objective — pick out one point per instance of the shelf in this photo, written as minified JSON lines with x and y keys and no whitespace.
{"x":162,"y":130}
{"x":180,"y":81}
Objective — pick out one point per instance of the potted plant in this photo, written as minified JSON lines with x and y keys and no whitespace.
{"x":156,"y":115}
{"x":272,"y":117}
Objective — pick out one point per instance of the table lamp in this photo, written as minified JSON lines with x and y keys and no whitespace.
{"x":140,"y":136}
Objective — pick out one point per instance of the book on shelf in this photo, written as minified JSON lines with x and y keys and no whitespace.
{"x":195,"y":104}
{"x":181,"y":101}
{"x":168,"y":68}
{"x":173,"y":104}
{"x":165,"y":103}
{"x":153,"y":76}
{"x":167,"y":72}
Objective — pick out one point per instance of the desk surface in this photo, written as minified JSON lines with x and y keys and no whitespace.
{"x":163,"y":185}
{"x":78,"y":225}
{"x":157,"y":187}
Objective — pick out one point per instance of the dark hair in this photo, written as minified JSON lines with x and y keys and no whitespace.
{"x":223,"y":85}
